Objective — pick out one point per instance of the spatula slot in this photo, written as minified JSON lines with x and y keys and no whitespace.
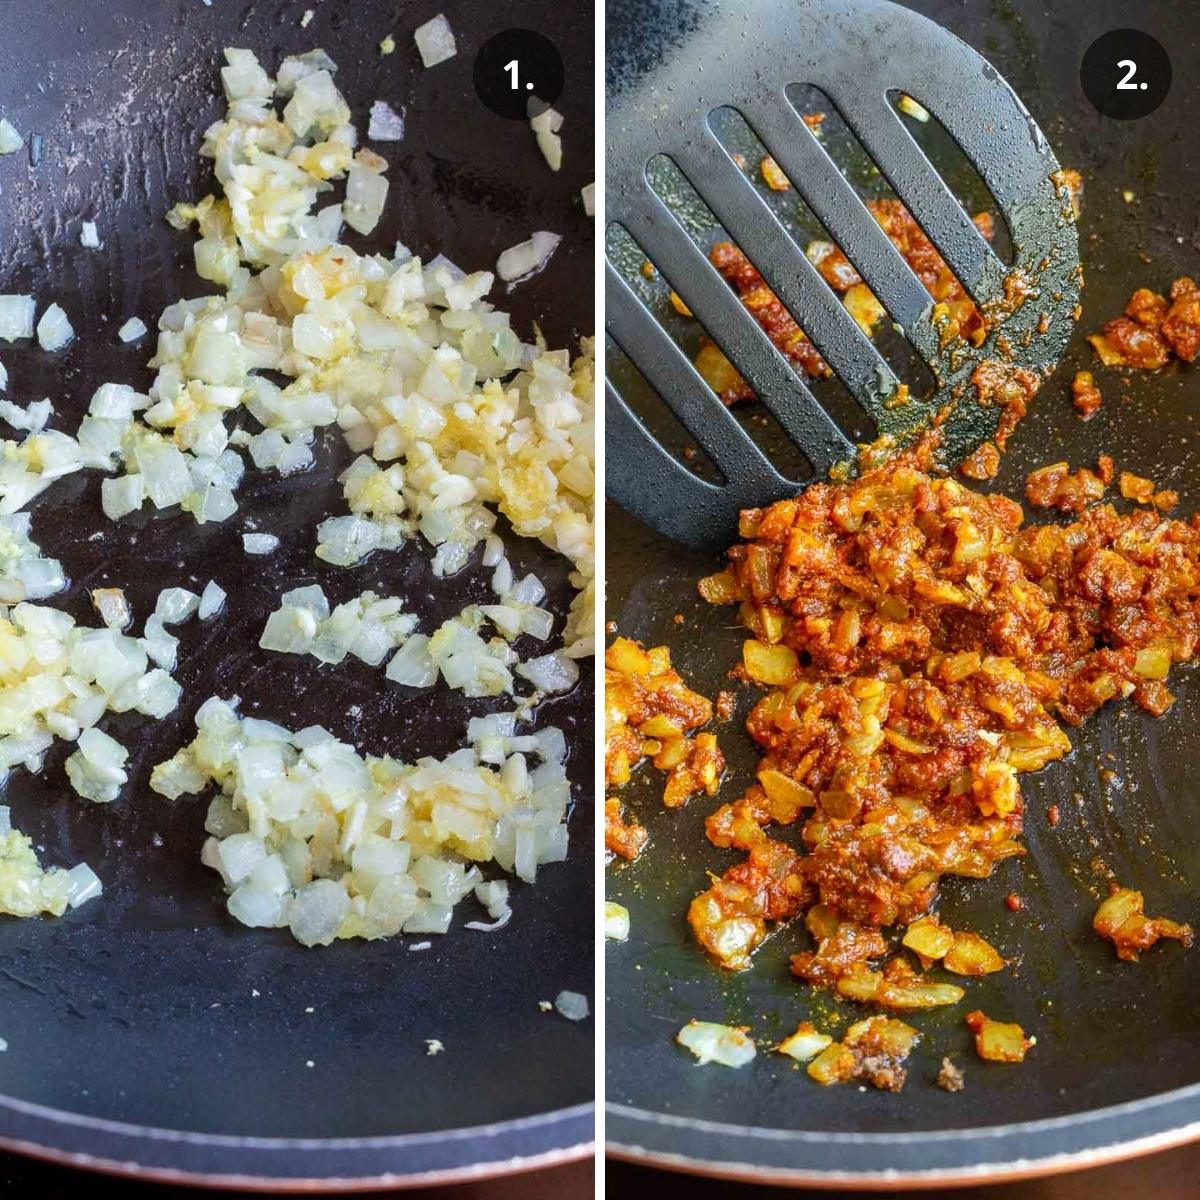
{"x":727,"y":200}
{"x":675,"y":380}
{"x":654,"y":399}
{"x":673,"y":249}
{"x":842,"y":212}
{"x":818,"y":297}
{"x":673,"y":394}
{"x":656,"y":415}
{"x":879,"y":128}
{"x":870,"y":182}
{"x":955,"y":167}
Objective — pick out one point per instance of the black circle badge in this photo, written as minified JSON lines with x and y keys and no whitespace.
{"x":518,"y":74}
{"x":1126,"y":74}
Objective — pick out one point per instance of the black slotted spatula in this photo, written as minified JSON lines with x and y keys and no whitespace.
{"x":860,"y":54}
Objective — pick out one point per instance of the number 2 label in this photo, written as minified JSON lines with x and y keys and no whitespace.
{"x":1125,"y":83}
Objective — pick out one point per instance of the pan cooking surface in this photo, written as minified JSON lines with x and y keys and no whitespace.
{"x":1108,"y":1033}
{"x":151,"y":1006}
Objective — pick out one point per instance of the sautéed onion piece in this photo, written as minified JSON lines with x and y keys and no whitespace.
{"x":308,"y":834}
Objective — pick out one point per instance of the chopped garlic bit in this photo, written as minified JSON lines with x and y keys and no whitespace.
{"x":10,"y":140}
{"x":433,"y":1046}
{"x":588,"y":193}
{"x":27,"y":889}
{"x":723,"y":1044}
{"x":54,"y":329}
{"x":309,"y":835}
{"x":387,"y":46}
{"x":133,"y":329}
{"x":89,"y":236}
{"x":435,"y":41}
{"x":28,"y":467}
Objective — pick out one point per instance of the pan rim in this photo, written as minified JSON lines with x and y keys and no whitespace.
{"x":885,"y":1161}
{"x":312,"y":1164}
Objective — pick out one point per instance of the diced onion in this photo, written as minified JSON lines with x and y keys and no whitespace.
{"x":97,"y":769}
{"x":616,"y":921}
{"x":572,"y":1005}
{"x":133,"y":329}
{"x":411,"y":664}
{"x":10,"y":140}
{"x":366,"y":194}
{"x":33,"y":418}
{"x":212,"y":600}
{"x":805,"y":1044}
{"x":84,"y":884}
{"x":54,"y":329}
{"x":260,"y":543}
{"x":112,"y":606}
{"x":62,"y":680}
{"x":435,"y":41}
{"x":16,"y":317}
{"x":550,"y":673}
{"x":545,"y":125}
{"x":24,"y":573}
{"x":525,"y":259}
{"x":175,"y":604}
{"x":907,"y":105}
{"x":386,"y":124}
{"x":89,"y":236}
{"x":713,"y":1043}
{"x":306,"y":833}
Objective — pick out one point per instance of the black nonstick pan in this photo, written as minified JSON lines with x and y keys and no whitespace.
{"x":147,"y":1033}
{"x":1116,"y":1069}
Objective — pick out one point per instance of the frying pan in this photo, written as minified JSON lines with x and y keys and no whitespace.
{"x":1116,"y":1069}
{"x":147,"y":1032}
